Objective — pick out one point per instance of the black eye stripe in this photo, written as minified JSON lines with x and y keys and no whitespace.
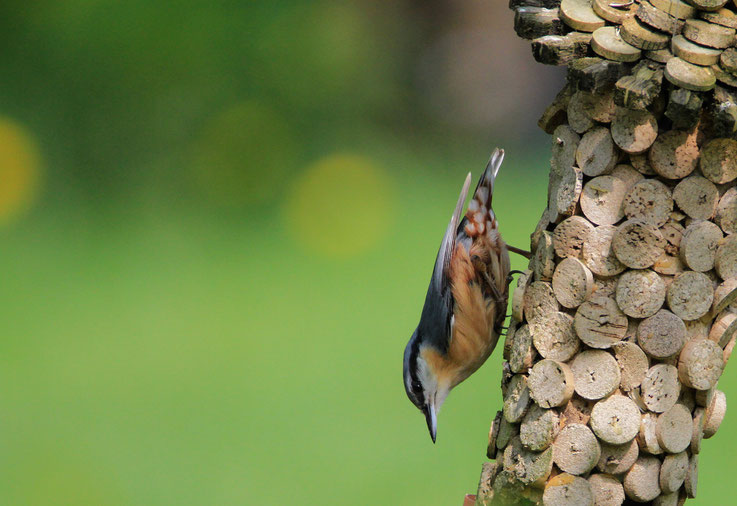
{"x":415,"y":384}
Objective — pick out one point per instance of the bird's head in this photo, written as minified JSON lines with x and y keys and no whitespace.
{"x":423,"y":382}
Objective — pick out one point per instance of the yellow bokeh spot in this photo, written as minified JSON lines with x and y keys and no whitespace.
{"x":341,"y":206}
{"x":19,"y":169}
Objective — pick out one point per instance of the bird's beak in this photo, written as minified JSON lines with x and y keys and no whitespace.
{"x":432,"y":420}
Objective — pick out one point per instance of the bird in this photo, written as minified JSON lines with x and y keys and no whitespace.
{"x":466,"y":302}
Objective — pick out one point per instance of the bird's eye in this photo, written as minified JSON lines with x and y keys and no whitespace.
{"x":416,"y":386}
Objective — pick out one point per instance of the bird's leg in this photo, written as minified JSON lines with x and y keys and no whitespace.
{"x":522,"y":252}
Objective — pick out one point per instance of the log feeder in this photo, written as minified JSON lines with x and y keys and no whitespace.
{"x":627,"y":314}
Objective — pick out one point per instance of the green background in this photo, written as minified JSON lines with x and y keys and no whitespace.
{"x":218,"y":221}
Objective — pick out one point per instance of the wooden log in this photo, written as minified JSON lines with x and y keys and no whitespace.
{"x":560,"y":49}
{"x":690,"y":484}
{"x":674,"y":429}
{"x":565,"y":193}
{"x":642,"y":36}
{"x":640,"y":293}
{"x":595,"y":74}
{"x":572,"y":282}
{"x":542,"y":226}
{"x":522,"y":353}
{"x":689,"y":76}
{"x":642,"y":481}
{"x":660,"y":388}
{"x":543,"y":260}
{"x":638,"y":90}
{"x":597,"y":250}
{"x":628,"y":174}
{"x":528,"y":467}
{"x":506,"y":488}
{"x":539,"y":428}
{"x":570,"y":235}
{"x":677,"y":8}
{"x":580,"y":15}
{"x":726,"y":215}
{"x":648,"y":437}
{"x":673,"y":471}
{"x":650,"y":201}
{"x":550,"y":383}
{"x":690,"y":295}
{"x":599,"y":322}
{"x":728,"y":60}
{"x":607,"y":490}
{"x":723,"y":76}
{"x":722,"y":113}
{"x":579,"y":117}
{"x":659,"y":19}
{"x":704,"y":397}
{"x":618,"y":459}
{"x":485,"y":493}
{"x":507,"y":431}
{"x":725,"y":261}
{"x":662,"y":335}
{"x":576,"y":410}
{"x":534,"y":22}
{"x":614,"y":12}
{"x":596,"y":153}
{"x":565,"y":489}
{"x":725,"y":296}
{"x":518,"y":296}
{"x":565,"y":144}
{"x":674,"y":154}
{"x":714,"y":414}
{"x":723,"y":329}
{"x":554,"y":337}
{"x":723,"y":16}
{"x":634,"y":131}
{"x":596,"y":374}
{"x":576,"y":450}
{"x":493,"y":435}
{"x":605,"y":287}
{"x":693,"y":53}
{"x":616,"y":419}
{"x":698,"y":430}
{"x":607,"y":43}
{"x":641,"y":164}
{"x":699,"y":245}
{"x":633,"y":364}
{"x":539,"y":301}
{"x":708,"y":5}
{"x":700,"y":364}
{"x":517,"y":399}
{"x":601,"y":199}
{"x":708,"y":34}
{"x":684,"y":108}
{"x":659,"y":55}
{"x":556,"y":113}
{"x":718,"y":160}
{"x":638,"y":244}
{"x":697,"y":197}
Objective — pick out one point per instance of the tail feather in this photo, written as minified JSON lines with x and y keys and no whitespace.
{"x":480,"y":217}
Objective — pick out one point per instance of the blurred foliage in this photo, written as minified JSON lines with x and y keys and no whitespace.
{"x":218,"y":222}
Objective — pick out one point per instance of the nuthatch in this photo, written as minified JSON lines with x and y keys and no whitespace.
{"x":466,"y":301}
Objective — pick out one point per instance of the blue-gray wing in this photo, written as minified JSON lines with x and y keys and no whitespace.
{"x":436,"y":316}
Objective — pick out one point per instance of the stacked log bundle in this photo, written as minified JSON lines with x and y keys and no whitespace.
{"x":624,"y":320}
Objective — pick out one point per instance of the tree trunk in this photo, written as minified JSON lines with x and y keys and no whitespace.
{"x":623,"y":323}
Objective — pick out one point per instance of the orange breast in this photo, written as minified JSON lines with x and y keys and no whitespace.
{"x":475,"y":317}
